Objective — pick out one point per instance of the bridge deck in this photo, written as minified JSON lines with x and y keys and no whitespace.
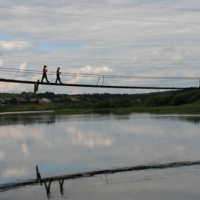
{"x":93,"y":86}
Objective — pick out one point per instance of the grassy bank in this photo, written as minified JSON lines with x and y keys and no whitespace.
{"x":20,"y":107}
{"x":193,"y":108}
{"x":183,"y":109}
{"x":59,"y":109}
{"x":183,"y":101}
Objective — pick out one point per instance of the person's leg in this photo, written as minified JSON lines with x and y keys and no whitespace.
{"x":46,"y":78}
{"x":59,"y":79}
{"x":42,"y":78}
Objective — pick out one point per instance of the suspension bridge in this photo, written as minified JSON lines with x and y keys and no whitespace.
{"x":37,"y":83}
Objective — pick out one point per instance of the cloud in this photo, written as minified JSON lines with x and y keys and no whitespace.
{"x":99,"y":45}
{"x":76,"y":136}
{"x":178,"y":57}
{"x":1,"y":62}
{"x":25,"y":149}
{"x":89,"y":70}
{"x":2,"y":155}
{"x":91,"y":139}
{"x":5,"y":87}
{"x":22,"y":66}
{"x":11,"y":45}
{"x":17,"y":172}
{"x":96,"y":70}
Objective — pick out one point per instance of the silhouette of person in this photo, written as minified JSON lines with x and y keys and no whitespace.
{"x":58,"y":75}
{"x":44,"y":74}
{"x":48,"y":189}
{"x":61,"y":182}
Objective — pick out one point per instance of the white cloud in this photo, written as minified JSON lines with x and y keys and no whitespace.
{"x":178,"y":57}
{"x":2,"y":155}
{"x":95,"y":70}
{"x":6,"y":87}
{"x":1,"y":62}
{"x":116,"y":51}
{"x":25,"y":149}
{"x":90,"y":139}
{"x":22,"y":66}
{"x":12,"y":45}
{"x":16,"y":172}
{"x":89,"y":70}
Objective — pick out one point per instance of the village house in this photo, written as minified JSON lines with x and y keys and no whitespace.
{"x":21,"y":100}
{"x":86,"y":99}
{"x":5,"y":100}
{"x":44,"y":101}
{"x":73,"y":99}
{"x":33,"y":101}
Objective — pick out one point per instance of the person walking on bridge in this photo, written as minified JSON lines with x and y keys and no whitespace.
{"x":58,"y":75}
{"x":45,"y":74}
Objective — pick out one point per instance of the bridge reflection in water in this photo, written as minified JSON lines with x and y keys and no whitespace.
{"x":46,"y":182}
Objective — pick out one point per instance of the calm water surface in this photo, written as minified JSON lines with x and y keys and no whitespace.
{"x":62,"y":144}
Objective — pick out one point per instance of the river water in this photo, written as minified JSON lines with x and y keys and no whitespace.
{"x":69,"y":144}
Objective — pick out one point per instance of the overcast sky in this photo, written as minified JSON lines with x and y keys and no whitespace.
{"x":128,"y":38}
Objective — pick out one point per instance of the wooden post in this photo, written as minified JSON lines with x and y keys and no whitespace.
{"x":36,"y":87}
{"x":98,"y":80}
{"x":38,"y":175}
{"x":103,"y":80}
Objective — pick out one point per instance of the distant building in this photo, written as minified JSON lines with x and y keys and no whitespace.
{"x":56,"y":100}
{"x":86,"y":99}
{"x":1,"y":101}
{"x":30,"y":93}
{"x":33,"y":101}
{"x":73,"y":99}
{"x":44,"y":101}
{"x":5,"y":100}
{"x":21,"y":100}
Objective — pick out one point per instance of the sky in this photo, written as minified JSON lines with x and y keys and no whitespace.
{"x":134,"y":38}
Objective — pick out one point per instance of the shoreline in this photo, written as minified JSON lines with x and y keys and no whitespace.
{"x":193,"y":108}
{"x":26,"y":112}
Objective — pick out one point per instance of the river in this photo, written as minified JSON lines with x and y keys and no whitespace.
{"x":61,"y":145}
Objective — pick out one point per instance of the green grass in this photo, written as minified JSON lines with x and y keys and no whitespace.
{"x":20,"y":107}
{"x":9,"y":95}
{"x":187,"y":109}
{"x":71,"y":111}
{"x":193,"y":108}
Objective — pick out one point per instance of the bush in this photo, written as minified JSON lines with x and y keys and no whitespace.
{"x":102,"y":104}
{"x":67,"y":100}
{"x":13,"y":101}
{"x":159,"y":100}
{"x":2,"y":108}
{"x":121,"y":102}
{"x":102,"y":111}
{"x":194,"y":97}
{"x":74,"y":105}
{"x":188,"y":97}
{"x":87,"y":105}
{"x":32,"y":108}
